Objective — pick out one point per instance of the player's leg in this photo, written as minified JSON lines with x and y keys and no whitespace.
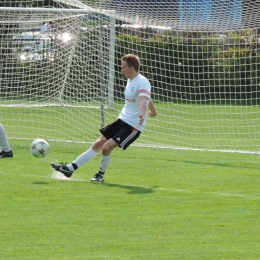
{"x":89,"y":154}
{"x":107,"y":148}
{"x":6,"y":149}
{"x":85,"y":157}
{"x":123,"y":138}
{"x":106,"y":133}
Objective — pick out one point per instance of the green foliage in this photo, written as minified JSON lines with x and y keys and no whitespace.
{"x":193,"y":67}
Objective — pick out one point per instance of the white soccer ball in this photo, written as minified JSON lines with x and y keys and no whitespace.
{"x":40,"y":148}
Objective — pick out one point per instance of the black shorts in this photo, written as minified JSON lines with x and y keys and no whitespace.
{"x":121,"y":132}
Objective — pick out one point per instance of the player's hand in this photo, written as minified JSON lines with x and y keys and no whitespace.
{"x":141,"y":119}
{"x":152,"y":114}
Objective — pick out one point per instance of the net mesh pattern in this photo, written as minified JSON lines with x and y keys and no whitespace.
{"x":201,"y":57}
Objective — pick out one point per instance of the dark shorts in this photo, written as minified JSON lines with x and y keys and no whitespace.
{"x":121,"y":133}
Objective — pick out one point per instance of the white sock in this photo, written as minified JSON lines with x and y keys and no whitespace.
{"x":83,"y":158}
{"x":104,"y":162}
{"x":3,"y":140}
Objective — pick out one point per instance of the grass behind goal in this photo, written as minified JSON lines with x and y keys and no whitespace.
{"x":188,"y":126}
{"x":154,"y":204}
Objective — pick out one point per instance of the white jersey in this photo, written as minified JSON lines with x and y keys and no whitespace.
{"x":139,"y":86}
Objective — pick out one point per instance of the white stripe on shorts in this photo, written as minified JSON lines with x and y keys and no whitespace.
{"x":132,"y":135}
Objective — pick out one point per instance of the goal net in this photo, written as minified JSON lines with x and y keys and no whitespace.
{"x":60,"y":70}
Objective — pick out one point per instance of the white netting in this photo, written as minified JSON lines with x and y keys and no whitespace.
{"x":202,"y":58}
{"x":182,"y":14}
{"x":195,"y":15}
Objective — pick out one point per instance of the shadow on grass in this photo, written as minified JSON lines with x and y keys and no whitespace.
{"x":40,"y":182}
{"x":221,"y":165}
{"x":131,"y":189}
{"x":171,"y":160}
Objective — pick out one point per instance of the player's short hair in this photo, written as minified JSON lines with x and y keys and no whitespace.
{"x":132,"y":61}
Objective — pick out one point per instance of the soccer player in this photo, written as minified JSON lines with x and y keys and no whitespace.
{"x":6,"y":149}
{"x":128,"y":126}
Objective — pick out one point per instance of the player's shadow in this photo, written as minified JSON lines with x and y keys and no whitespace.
{"x":131,"y":189}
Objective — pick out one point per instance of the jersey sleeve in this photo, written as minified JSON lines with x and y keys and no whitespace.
{"x":145,"y":88}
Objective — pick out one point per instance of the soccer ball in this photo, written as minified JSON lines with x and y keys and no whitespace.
{"x":39,"y":148}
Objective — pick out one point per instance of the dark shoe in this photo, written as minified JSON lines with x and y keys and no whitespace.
{"x":4,"y":154}
{"x":98,"y":177}
{"x":62,"y":168}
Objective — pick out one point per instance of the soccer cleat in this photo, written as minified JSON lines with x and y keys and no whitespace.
{"x":4,"y":154}
{"x":98,"y":177}
{"x":62,"y":168}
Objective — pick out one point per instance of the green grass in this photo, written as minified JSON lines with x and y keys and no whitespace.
{"x":195,"y":126}
{"x":154,"y":204}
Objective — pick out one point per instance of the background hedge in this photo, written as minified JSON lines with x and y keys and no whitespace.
{"x":197,"y":67}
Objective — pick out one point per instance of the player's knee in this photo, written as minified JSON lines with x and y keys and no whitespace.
{"x":97,"y":146}
{"x":105,"y":150}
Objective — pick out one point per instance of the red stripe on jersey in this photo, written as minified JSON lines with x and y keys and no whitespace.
{"x":144,"y":91}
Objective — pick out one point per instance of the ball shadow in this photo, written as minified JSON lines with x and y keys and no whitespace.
{"x":40,"y":183}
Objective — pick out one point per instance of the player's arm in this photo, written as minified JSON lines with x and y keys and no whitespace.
{"x":143,"y":109}
{"x":152,"y":111}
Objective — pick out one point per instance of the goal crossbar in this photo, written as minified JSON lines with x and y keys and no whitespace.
{"x":45,"y":10}
{"x":54,"y":10}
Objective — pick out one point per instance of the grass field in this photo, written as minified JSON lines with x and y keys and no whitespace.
{"x":197,"y":126}
{"x":154,"y":204}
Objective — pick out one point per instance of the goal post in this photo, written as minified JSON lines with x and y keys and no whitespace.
{"x":201,"y":57}
{"x":79,"y":13}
